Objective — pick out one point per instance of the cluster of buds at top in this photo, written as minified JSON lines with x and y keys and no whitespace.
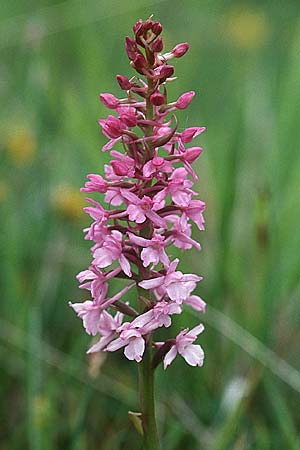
{"x":148,"y":188}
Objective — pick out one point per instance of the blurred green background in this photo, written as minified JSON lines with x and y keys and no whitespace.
{"x":244,"y":63}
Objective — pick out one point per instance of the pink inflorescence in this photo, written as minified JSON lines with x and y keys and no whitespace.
{"x":151,"y":202}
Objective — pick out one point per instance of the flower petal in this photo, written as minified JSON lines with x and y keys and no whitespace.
{"x":195,"y":302}
{"x":135,"y":349}
{"x":193,"y":354}
{"x":170,"y":356}
{"x":124,"y":263}
{"x":152,"y":283}
{"x":116,"y":344}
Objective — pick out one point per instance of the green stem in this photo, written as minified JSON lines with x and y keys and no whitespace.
{"x":146,"y":372}
{"x":146,"y":385}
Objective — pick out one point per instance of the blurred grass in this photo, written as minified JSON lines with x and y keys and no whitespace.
{"x":244,"y":63}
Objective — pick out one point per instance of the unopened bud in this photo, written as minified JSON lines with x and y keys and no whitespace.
{"x":165,"y":72}
{"x":138,"y":27}
{"x":184,"y":100}
{"x":147,"y":25}
{"x":124,"y":83}
{"x":131,"y":48}
{"x":157,"y":45}
{"x":129,"y":119}
{"x":156,"y":28}
{"x":191,"y":154}
{"x":180,"y":49}
{"x":109,"y":100}
{"x":119,"y":168}
{"x":157,"y":99}
{"x":139,"y":63}
{"x":189,"y":134}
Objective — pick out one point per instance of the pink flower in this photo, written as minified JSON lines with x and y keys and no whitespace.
{"x":184,"y":100}
{"x":90,"y":311}
{"x":178,"y":187}
{"x":158,"y":316}
{"x":181,"y":233}
{"x":96,"y":232}
{"x":153,"y":251}
{"x":107,"y":327}
{"x":194,"y":212}
{"x":140,"y":209}
{"x":156,"y":166}
{"x":96,"y":281}
{"x":96,"y":184}
{"x":114,"y":197}
{"x":130,"y":338}
{"x":97,"y":212}
{"x":195,"y":302}
{"x":111,"y":251}
{"x":193,"y":354}
{"x":175,"y":284}
{"x":112,"y":127}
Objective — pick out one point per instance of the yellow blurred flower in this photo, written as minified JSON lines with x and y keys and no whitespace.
{"x":247,"y":29}
{"x":68,"y":201}
{"x":21,"y":146}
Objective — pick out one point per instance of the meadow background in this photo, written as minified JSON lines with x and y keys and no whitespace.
{"x":244,"y":63}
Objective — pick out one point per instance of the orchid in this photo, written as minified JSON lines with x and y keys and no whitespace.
{"x":150,"y":207}
{"x":193,"y":354}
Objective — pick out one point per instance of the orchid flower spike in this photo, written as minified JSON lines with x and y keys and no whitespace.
{"x":149,"y":206}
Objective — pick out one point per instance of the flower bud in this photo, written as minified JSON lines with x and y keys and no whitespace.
{"x":147,"y":25}
{"x":180,"y":49}
{"x":129,"y":119}
{"x":163,"y":72}
{"x":156,"y":28}
{"x":157,"y":99}
{"x":109,"y":100}
{"x":166,"y":71}
{"x":112,"y":127}
{"x":131,"y":48}
{"x":124,"y":83}
{"x":157,"y":45}
{"x":191,"y":154}
{"x":184,"y":100}
{"x":119,"y":168}
{"x":138,"y":27}
{"x":139,"y":63}
{"x":189,"y":134}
